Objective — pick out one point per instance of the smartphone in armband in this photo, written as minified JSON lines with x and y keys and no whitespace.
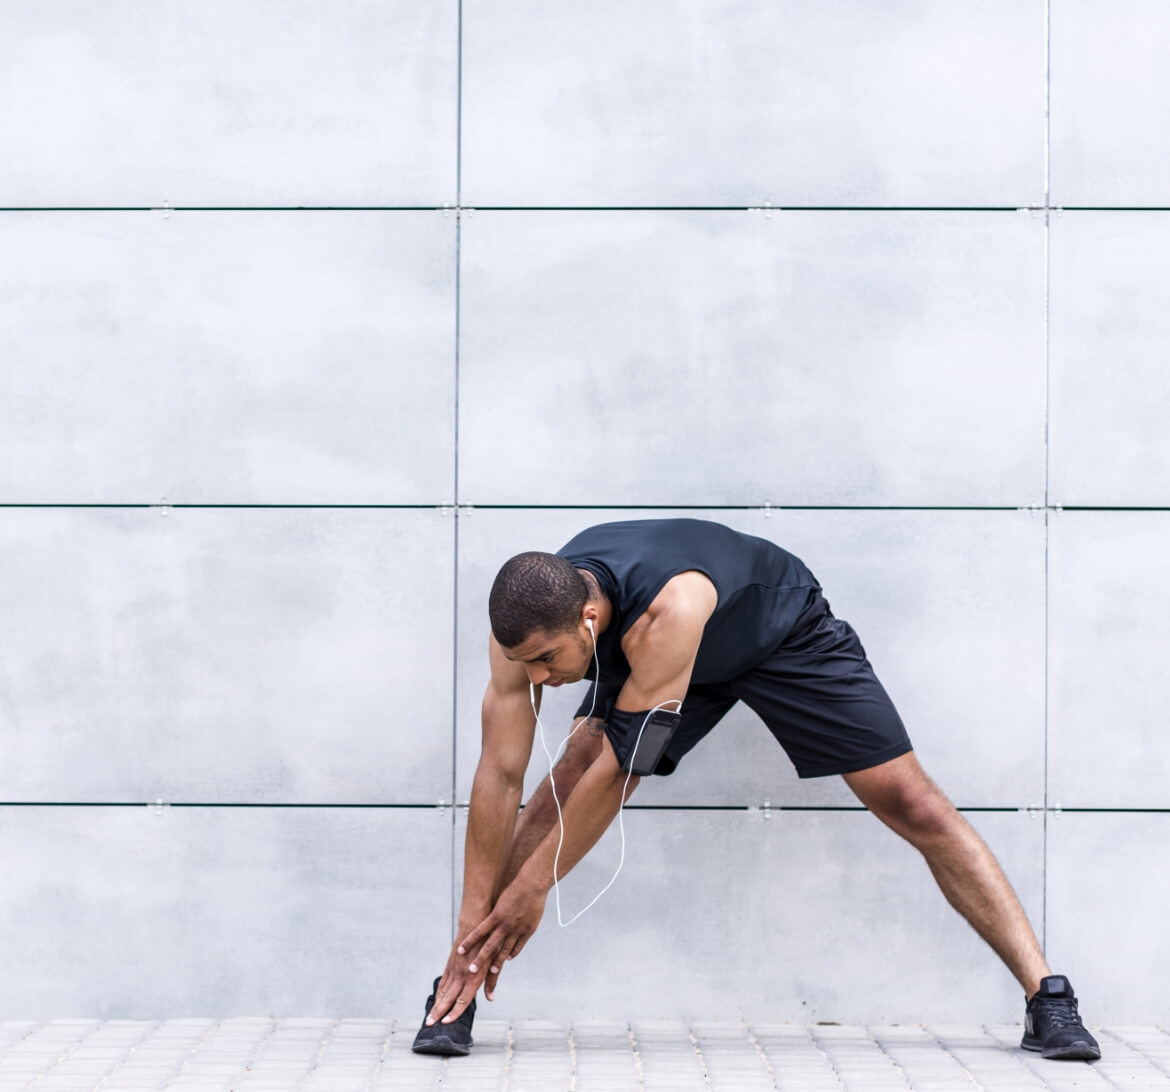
{"x":656,"y":732}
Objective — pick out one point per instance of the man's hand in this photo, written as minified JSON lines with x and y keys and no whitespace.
{"x":480,"y":955}
{"x":457,"y":989}
{"x":504,"y":932}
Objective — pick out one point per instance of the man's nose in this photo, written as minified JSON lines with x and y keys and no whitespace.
{"x":537,"y":673}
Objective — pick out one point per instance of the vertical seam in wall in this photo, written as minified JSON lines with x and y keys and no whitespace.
{"x":1047,"y":103}
{"x":1047,"y":418}
{"x":1044,"y":832}
{"x":455,"y":449}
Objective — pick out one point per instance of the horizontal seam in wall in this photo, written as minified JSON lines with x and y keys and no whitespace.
{"x":449,"y":208}
{"x":443,"y":807}
{"x":227,"y":208}
{"x":767,"y":207}
{"x":447,"y":506}
{"x":781,"y":506}
{"x":138,"y":505}
{"x":1114,"y":208}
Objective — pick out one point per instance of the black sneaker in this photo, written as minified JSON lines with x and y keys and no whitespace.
{"x":440,"y":1038}
{"x":1052,"y":1026}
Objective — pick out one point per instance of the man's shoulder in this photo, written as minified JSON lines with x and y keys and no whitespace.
{"x":691,"y":592}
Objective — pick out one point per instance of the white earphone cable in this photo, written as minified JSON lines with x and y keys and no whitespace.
{"x":553,"y":784}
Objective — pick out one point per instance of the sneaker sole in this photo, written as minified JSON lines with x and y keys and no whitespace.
{"x":442,"y":1044}
{"x":1071,"y":1052}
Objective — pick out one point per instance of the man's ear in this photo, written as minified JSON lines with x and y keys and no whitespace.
{"x":589,"y":618}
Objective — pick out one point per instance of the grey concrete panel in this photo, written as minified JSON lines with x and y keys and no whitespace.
{"x":727,"y":358}
{"x":138,"y":912}
{"x":1110,"y":98}
{"x":1109,"y":599}
{"x":727,"y":102}
{"x":258,"y":655}
{"x":1108,"y":904}
{"x":216,"y":103}
{"x":238,"y":357}
{"x":806,"y":916}
{"x":950,"y":606}
{"x":1110,"y":386}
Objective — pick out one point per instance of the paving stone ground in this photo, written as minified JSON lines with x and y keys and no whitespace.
{"x":352,"y":1055}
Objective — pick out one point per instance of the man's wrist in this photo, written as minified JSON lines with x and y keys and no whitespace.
{"x":533,"y":879}
{"x":471,"y":914}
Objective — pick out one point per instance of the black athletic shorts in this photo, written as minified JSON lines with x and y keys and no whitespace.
{"x":817,"y":693}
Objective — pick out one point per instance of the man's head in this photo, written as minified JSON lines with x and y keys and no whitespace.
{"x":535,"y":593}
{"x":540,"y":614}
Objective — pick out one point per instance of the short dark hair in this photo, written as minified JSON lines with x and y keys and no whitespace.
{"x":535,"y":593}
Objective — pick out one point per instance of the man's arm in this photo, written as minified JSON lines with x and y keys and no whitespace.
{"x":508,"y":724}
{"x":661,"y":645}
{"x":496,"y":793}
{"x":661,"y":648}
{"x":590,"y":808}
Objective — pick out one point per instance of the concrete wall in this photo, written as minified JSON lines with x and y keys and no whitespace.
{"x":311,"y":316}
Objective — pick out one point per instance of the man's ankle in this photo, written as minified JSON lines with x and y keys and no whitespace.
{"x":1033,"y":987}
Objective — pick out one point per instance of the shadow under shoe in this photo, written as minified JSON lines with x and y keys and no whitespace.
{"x":447,"y":1039}
{"x":1052,"y":1025}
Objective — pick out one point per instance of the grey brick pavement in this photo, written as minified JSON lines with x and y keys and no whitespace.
{"x":318,"y":1055}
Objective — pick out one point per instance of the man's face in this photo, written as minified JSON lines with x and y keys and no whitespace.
{"x":553,"y":658}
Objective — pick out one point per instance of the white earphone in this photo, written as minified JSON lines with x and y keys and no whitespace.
{"x":552,"y":760}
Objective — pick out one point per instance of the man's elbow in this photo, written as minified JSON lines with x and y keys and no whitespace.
{"x":497,"y":778}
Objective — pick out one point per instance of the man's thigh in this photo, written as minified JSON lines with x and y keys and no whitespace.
{"x":820,"y":698}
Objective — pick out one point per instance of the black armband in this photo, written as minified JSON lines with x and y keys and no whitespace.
{"x":640,"y":739}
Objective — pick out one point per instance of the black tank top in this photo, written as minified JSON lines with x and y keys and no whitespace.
{"x":762,"y":588}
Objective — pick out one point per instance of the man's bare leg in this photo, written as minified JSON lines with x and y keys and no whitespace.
{"x":901,"y":794}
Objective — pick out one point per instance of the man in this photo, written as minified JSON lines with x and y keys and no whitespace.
{"x":656,"y":612}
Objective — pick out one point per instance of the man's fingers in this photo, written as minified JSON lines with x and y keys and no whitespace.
{"x":455,"y":992}
{"x":494,"y":970}
{"x":450,"y":989}
{"x":501,"y":949}
{"x":503,"y":954}
{"x":438,"y":1009}
{"x":483,"y":929}
{"x":465,"y":995}
{"x":489,"y":985}
{"x":483,"y":958}
{"x":518,"y":947}
{"x":461,"y":1002}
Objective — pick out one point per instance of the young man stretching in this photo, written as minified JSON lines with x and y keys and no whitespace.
{"x":662,"y":612}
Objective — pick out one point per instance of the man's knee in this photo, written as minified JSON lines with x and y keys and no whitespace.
{"x":904,"y":797}
{"x":923,"y":813}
